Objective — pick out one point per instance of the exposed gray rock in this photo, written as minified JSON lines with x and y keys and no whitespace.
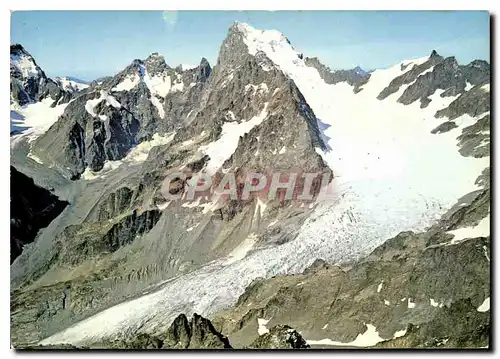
{"x":280,"y":337}
{"x":355,"y":77}
{"x":475,"y":139}
{"x":410,"y":76}
{"x":198,"y":333}
{"x":444,"y":127}
{"x":444,"y":74}
{"x":474,"y":102}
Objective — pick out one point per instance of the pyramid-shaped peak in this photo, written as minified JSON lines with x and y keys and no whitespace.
{"x":15,"y":48}
{"x":434,"y":54}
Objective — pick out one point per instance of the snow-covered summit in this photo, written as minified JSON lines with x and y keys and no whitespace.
{"x":264,"y":40}
{"x":71,"y":84}
{"x":22,"y":62}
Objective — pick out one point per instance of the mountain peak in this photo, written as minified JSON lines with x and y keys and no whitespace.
{"x":434,"y":54}
{"x":358,"y":70}
{"x":18,"y":49}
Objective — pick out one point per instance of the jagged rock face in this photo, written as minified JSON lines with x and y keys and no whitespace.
{"x":87,"y":136}
{"x":280,"y":337}
{"x":410,"y":76}
{"x":474,"y":102}
{"x":80,"y":242}
{"x":198,"y":333}
{"x":434,"y":74}
{"x":31,"y":209}
{"x":355,"y":77}
{"x":28,"y":82}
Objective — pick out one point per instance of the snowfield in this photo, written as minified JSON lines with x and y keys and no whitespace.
{"x":389,"y":178}
{"x":34,"y":119}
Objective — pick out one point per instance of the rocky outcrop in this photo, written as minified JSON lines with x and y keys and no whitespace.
{"x":280,"y":337}
{"x":31,"y":209}
{"x":435,"y":74}
{"x":197,"y":333}
{"x":474,"y":102}
{"x":356,"y":77}
{"x":410,"y":75}
{"x":475,"y":139}
{"x":80,"y":242}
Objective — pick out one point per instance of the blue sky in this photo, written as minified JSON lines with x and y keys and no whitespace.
{"x":90,"y":44}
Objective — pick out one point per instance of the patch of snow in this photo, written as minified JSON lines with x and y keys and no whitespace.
{"x":230,"y":115}
{"x":158,"y":85}
{"x":262,"y":87}
{"x":325,"y":326}
{"x":262,"y":326}
{"x":379,"y":288}
{"x":485,"y":249}
{"x":367,"y":339}
{"x":111,"y":101}
{"x":109,"y":166}
{"x":128,"y":83}
{"x":221,"y":149}
{"x":430,"y":69}
{"x":386,"y":302}
{"x":272,"y":223}
{"x":241,"y":250}
{"x":159,"y":106}
{"x":185,"y":67}
{"x":411,"y":304}
{"x":192,"y":204}
{"x":485,"y":306}
{"x":434,"y":303}
{"x":482,"y":229}
{"x":137,"y":154}
{"x":486,"y":88}
{"x":191,"y":228}
{"x":177,"y":86}
{"x":283,"y":150}
{"x":104,"y":96}
{"x":35,"y":158}
{"x":25,"y":65}
{"x":163,"y":206}
{"x":70,"y":85}
{"x":36,"y":118}
{"x":468,"y":86}
{"x":260,"y":206}
{"x":399,"y":333}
